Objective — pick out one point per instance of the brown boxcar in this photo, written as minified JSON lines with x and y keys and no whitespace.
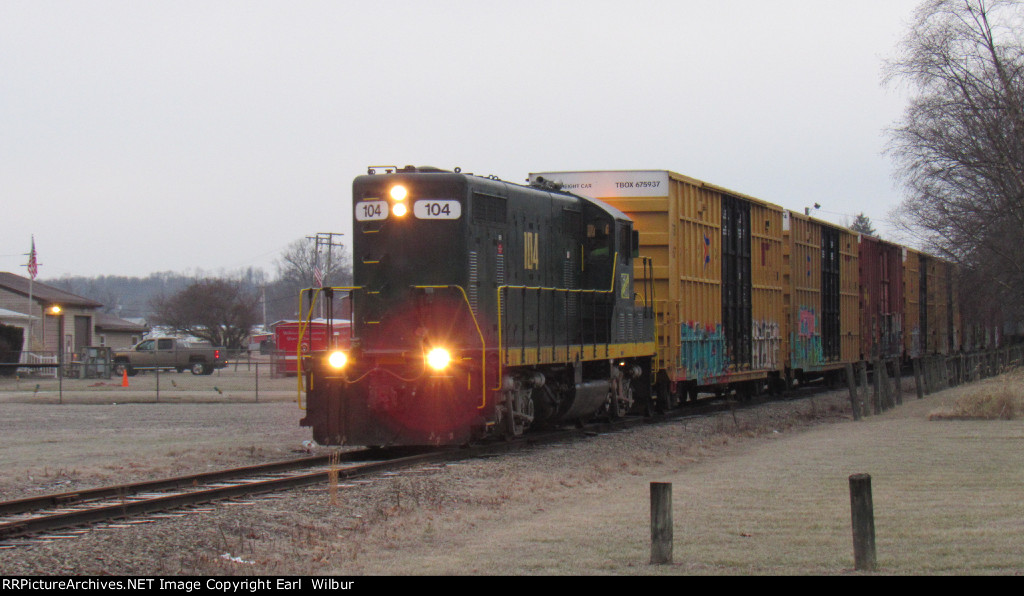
{"x":912,"y":344}
{"x":931,"y":311}
{"x":822,"y":331}
{"x":717,"y":272}
{"x":881,"y":298}
{"x":940,"y":320}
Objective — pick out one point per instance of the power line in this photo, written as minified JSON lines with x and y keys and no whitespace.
{"x":324,"y":239}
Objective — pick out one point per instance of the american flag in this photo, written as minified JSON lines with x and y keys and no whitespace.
{"x":33,"y":265}
{"x":318,"y":275}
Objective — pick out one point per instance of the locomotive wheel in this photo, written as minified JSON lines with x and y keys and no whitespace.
{"x":621,"y":397}
{"x":519,"y":408}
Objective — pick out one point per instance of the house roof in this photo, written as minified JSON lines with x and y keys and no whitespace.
{"x":10,"y":315}
{"x":43,"y":293}
{"x":108,"y":322}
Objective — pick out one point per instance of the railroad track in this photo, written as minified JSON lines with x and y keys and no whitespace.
{"x":49,"y":513}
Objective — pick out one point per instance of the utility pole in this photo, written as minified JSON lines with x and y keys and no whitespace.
{"x":263,"y":292}
{"x":323,"y":239}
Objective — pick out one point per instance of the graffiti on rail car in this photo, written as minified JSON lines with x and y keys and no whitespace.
{"x":807,"y":344}
{"x":702,"y":353}
{"x":767,"y":343}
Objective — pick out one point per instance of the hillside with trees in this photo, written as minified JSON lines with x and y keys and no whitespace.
{"x":159,"y":297}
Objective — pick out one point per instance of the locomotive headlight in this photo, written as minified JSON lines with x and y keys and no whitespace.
{"x":399,"y":192}
{"x":338,"y":360}
{"x":439,"y":359}
{"x":399,"y":209}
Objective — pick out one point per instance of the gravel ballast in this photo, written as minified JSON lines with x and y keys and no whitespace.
{"x":574,"y":508}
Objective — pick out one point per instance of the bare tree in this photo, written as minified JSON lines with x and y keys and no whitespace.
{"x":959,"y":147}
{"x":298,"y":262}
{"x":220,"y":311}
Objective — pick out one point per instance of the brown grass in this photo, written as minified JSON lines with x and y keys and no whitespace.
{"x":994,"y":399}
{"x":759,"y":493}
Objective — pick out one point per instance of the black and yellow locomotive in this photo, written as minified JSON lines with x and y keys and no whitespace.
{"x":480,"y":307}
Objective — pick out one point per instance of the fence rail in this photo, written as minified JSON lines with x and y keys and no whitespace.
{"x":249,"y":379}
{"x":930,"y":373}
{"x":267,"y":377}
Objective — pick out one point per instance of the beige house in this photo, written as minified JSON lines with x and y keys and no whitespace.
{"x":112,"y":332}
{"x":47,"y":331}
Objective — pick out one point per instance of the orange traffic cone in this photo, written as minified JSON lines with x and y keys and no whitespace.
{"x":124,"y":379}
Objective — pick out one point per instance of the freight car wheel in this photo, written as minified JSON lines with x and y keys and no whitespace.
{"x":667,"y":399}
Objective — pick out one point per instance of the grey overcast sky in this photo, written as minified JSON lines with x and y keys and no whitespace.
{"x":138,"y":137}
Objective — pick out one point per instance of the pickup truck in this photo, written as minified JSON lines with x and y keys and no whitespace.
{"x":166,"y":353}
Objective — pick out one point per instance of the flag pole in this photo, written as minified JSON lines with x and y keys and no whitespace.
{"x":33,"y":268}
{"x":28,"y":339}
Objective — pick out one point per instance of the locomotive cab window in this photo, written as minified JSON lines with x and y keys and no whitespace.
{"x":598,"y":239}
{"x":625,"y":248}
{"x":597,"y":267}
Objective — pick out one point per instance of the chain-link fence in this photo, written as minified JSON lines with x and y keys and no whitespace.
{"x":45,"y":377}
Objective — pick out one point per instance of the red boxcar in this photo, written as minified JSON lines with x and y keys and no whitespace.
{"x":286,"y":338}
{"x":881,"y":298}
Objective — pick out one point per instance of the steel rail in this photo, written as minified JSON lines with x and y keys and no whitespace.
{"x":121,"y":490}
{"x":93,"y":511}
{"x":234,"y":482}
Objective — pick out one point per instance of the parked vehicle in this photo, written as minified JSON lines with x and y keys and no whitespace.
{"x":167,"y":353}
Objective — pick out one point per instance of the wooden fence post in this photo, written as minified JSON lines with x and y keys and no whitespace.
{"x":661,"y":523}
{"x":887,"y":401}
{"x":878,"y":385}
{"x":852,"y":383}
{"x":865,"y":389}
{"x":916,"y":378}
{"x":863,"y":516}
{"x":897,"y":381}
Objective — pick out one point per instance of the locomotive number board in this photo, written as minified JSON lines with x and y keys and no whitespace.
{"x":437,"y":209}
{"x":375,"y":210}
{"x":371,"y":210}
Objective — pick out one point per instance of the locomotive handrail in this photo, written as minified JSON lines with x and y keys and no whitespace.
{"x":483,"y":342}
{"x":304,"y":323}
{"x":305,"y":319}
{"x":650,"y":309}
{"x":501,"y":345}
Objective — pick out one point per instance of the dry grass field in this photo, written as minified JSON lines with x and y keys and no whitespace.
{"x":763,"y":493}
